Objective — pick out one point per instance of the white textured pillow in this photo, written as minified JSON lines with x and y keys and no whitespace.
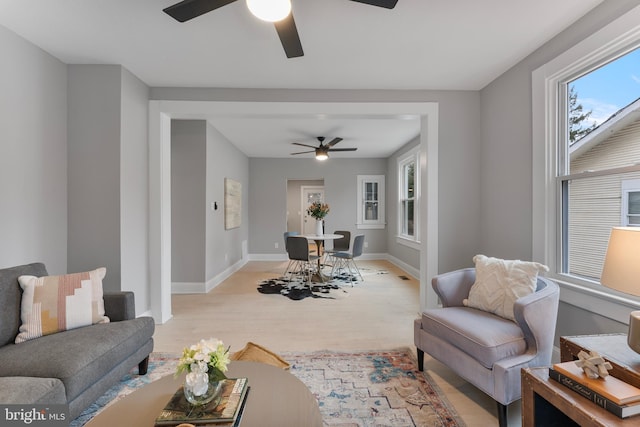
{"x":499,"y":283}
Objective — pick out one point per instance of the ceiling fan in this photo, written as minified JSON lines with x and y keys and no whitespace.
{"x":322,"y":150}
{"x":284,"y":23}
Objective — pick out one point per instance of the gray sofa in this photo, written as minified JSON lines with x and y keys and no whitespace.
{"x":75,"y":366}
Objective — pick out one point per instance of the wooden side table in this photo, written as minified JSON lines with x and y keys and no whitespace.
{"x":613,"y":347}
{"x":547,"y":403}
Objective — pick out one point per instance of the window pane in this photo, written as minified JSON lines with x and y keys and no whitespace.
{"x":409,"y":171}
{"x":407,"y":218}
{"x":594,"y":207}
{"x":371,"y":191}
{"x":634,"y":203}
{"x":371,"y":211}
{"x":592,"y":100}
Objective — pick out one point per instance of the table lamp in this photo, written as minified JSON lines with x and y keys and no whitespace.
{"x":621,"y":272}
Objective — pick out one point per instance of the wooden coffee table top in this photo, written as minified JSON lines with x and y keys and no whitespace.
{"x":276,"y":398}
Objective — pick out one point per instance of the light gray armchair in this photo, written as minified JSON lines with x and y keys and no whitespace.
{"x":487,"y":350}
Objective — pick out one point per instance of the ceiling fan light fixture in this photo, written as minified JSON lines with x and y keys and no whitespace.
{"x":321,"y":154}
{"x":270,"y":10}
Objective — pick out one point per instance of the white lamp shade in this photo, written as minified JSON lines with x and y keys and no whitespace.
{"x":621,"y":269}
{"x":270,"y":10}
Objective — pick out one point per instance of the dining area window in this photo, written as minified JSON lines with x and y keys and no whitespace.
{"x":370,"y":202}
{"x":409,"y":194}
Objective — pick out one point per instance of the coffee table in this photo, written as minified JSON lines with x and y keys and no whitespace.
{"x":276,"y":398}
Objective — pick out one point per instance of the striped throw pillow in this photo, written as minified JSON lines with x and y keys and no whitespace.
{"x":53,"y":304}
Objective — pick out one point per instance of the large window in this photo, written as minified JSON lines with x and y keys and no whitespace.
{"x":599,"y":149}
{"x":408,"y":197}
{"x":586,"y":154}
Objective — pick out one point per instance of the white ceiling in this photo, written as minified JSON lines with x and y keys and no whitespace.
{"x":421,"y":44}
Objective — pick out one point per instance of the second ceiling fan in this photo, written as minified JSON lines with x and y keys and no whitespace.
{"x":322,"y":150}
{"x":285,"y":27}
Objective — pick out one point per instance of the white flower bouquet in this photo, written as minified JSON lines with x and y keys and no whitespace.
{"x":205,"y":362}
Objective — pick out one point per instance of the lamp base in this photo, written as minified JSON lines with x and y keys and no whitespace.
{"x":633,"y":338}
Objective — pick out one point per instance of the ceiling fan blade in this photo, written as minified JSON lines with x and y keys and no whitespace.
{"x":333,"y":142}
{"x":389,"y":4}
{"x":189,"y":9}
{"x":303,"y":152}
{"x":289,"y":38}
{"x":342,"y":149}
{"x":304,"y":145}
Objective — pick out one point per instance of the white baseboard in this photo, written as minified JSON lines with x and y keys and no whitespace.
{"x":204,"y":287}
{"x":412,"y":271}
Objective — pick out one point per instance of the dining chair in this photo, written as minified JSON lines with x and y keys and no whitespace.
{"x":339,"y":245}
{"x":346,"y":260}
{"x":286,"y":247}
{"x":304,"y":262}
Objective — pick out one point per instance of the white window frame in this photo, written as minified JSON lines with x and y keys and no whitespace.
{"x":411,"y":156}
{"x":549,"y":101}
{"x":628,"y":186}
{"x":361,"y":222}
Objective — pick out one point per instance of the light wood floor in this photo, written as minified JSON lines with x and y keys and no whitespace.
{"x":375,"y":314}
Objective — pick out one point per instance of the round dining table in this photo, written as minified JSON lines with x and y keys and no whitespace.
{"x":319,"y":239}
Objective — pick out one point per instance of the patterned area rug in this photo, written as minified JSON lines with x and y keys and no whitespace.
{"x":356,"y":389}
{"x":296,"y":288}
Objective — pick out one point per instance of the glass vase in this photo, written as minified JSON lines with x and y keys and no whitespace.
{"x":200,"y":390}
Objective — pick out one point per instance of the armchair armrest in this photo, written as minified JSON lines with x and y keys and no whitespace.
{"x":536,"y":314}
{"x":119,"y":305}
{"x":453,"y":287}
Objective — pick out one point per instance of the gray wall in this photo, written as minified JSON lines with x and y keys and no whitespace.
{"x":201,"y":159}
{"x":188,"y":198}
{"x":33,"y":156}
{"x":94,"y":170}
{"x":134,"y":187}
{"x":224,"y":247}
{"x":108,"y":177}
{"x":506,"y":159}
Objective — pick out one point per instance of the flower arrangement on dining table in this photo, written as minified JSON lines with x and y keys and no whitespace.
{"x":318,"y":210}
{"x":205,"y":362}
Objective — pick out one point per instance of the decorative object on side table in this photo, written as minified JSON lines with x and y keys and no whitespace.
{"x":593,"y":365}
{"x":205,"y":364}
{"x":621,"y":271}
{"x":318,"y":211}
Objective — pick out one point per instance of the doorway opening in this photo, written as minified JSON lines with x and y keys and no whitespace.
{"x":300,"y":194}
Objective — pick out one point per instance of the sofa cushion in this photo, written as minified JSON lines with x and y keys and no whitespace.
{"x":29,"y":390}
{"x":11,"y":295}
{"x":53,"y":304}
{"x":499,"y":283}
{"x":79,"y":357}
{"x":466,"y":328}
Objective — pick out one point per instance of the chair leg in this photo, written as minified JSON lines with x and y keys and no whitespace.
{"x":420,"y":360}
{"x":502,"y":415}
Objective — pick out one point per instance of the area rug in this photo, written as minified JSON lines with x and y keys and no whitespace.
{"x":296,"y":288}
{"x":354,"y":389}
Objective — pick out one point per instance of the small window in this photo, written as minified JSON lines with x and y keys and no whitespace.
{"x":408,"y":197}
{"x":631,"y":203}
{"x":370,"y":201}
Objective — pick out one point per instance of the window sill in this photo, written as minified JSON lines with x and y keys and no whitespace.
{"x":604,"y":303}
{"x":414,"y":244}
{"x":370,"y":226}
